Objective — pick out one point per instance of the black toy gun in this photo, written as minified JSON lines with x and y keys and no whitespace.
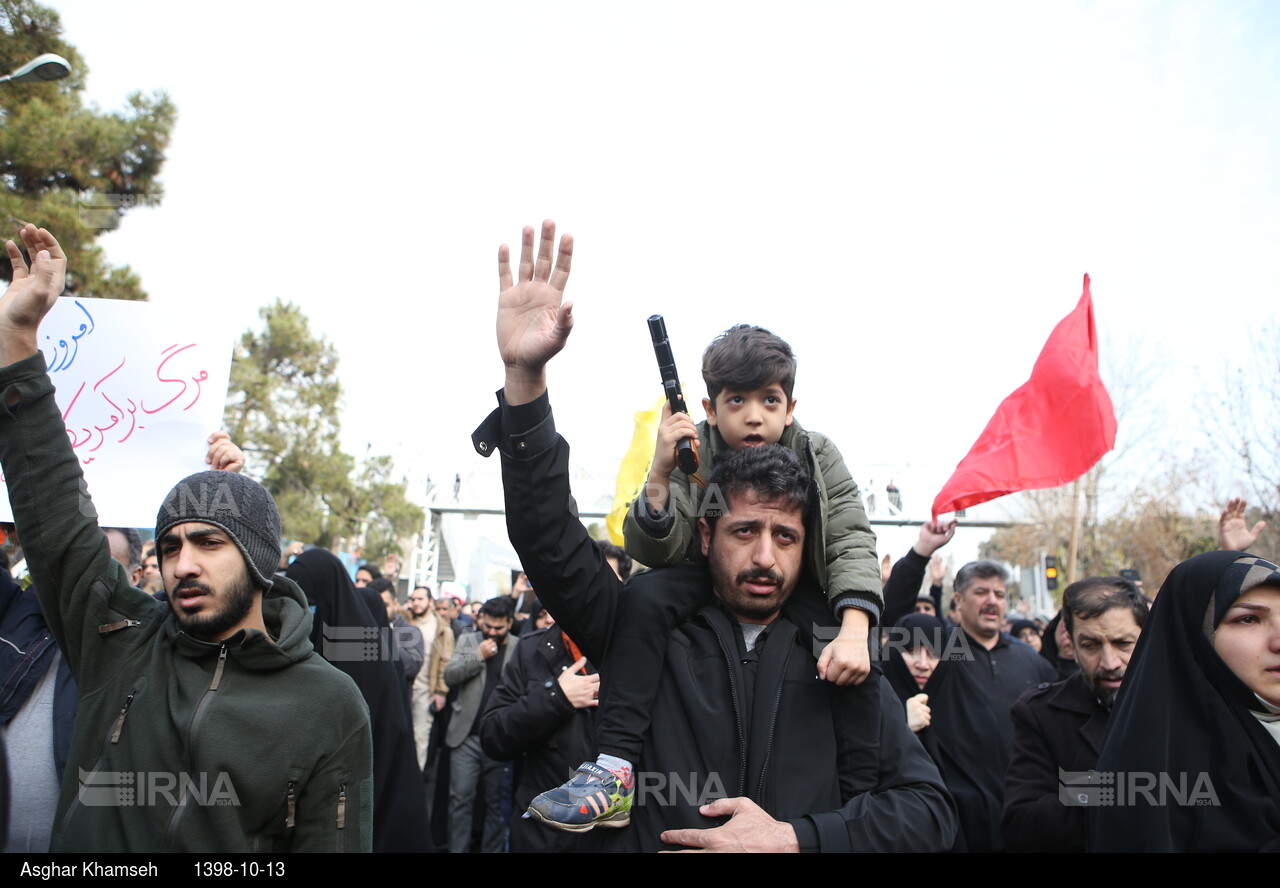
{"x":686,"y":456}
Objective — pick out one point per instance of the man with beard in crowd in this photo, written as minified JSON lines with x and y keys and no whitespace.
{"x":476,"y":671}
{"x":811,"y":765}
{"x":438,"y":640}
{"x":1059,"y":727}
{"x":175,"y":687}
{"x":970,"y":695}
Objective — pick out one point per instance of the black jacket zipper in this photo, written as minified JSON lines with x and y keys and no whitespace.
{"x":342,"y":818}
{"x":196,"y":721}
{"x":113,"y":737}
{"x":108,"y":628}
{"x":773,"y":721}
{"x":118,"y":725}
{"x":737,"y":712}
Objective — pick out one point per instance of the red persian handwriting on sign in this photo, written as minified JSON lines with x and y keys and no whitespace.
{"x":107,"y":413}
{"x":170,"y":353}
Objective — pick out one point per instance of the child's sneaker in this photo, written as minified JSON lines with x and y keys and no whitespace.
{"x":595,"y":796}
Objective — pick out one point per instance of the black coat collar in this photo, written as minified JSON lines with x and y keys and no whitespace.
{"x":1073,"y":695}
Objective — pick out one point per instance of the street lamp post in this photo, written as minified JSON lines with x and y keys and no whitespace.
{"x":49,"y":66}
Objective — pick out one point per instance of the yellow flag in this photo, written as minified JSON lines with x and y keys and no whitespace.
{"x":635,"y":467}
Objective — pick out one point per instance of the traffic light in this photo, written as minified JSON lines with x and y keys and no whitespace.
{"x":1050,"y":572}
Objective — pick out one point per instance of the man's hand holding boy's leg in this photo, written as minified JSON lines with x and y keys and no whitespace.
{"x":847,"y":660}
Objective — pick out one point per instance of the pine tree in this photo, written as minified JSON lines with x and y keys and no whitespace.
{"x":282,"y":408}
{"x":68,"y":168}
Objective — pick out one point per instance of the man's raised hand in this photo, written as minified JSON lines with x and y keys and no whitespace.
{"x":1233,"y":531}
{"x":223,"y":453}
{"x":32,"y":293}
{"x":933,"y":536}
{"x":533,"y":320}
{"x":937,"y":570}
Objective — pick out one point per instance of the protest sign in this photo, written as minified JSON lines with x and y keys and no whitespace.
{"x":140,"y":388}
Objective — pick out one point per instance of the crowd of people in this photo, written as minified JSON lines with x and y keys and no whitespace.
{"x":763,"y":684}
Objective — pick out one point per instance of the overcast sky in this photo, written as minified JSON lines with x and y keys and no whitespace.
{"x":909,"y":193}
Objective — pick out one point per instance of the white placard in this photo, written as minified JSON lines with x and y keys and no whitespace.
{"x":141,"y":389}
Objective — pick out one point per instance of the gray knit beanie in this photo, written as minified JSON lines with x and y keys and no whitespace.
{"x":239,"y":505}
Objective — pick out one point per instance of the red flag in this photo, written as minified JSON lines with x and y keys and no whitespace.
{"x":1050,"y":431}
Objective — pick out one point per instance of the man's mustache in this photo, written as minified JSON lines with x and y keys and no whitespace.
{"x":760,"y":575}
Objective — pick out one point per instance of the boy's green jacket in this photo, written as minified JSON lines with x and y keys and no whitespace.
{"x":180,"y":744}
{"x":840,"y":547}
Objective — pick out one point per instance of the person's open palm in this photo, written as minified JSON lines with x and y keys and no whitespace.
{"x":32,"y":293}
{"x":533,"y":320}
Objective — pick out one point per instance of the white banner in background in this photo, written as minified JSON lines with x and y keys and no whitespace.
{"x":141,"y":388}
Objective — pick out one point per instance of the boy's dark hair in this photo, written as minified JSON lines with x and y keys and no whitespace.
{"x":1094,"y":596}
{"x":773,"y":472}
{"x":745,"y":358}
{"x":609,"y":550}
{"x":372,"y":571}
{"x":500,"y":607}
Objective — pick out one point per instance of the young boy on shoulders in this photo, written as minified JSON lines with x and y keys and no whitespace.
{"x":750,"y":374}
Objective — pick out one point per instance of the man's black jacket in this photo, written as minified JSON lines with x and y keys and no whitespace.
{"x":530,"y":720}
{"x":1055,"y":726}
{"x":839,"y":764}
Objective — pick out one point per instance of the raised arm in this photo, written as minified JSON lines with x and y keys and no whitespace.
{"x":573,"y":580}
{"x":903,"y":588}
{"x":66,"y":551}
{"x":1233,"y":531}
{"x":31,"y":295}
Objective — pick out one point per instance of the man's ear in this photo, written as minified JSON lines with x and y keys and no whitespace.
{"x":705,"y":530}
{"x":791,"y":408}
{"x":135,"y":576}
{"x":709,"y":408}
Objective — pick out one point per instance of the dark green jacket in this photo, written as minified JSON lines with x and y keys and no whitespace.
{"x":840,"y":548}
{"x":180,"y":744}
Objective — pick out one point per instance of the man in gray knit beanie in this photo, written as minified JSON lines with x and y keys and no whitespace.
{"x":265,"y":744}
{"x":206,"y":521}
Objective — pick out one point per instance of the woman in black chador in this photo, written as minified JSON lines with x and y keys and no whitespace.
{"x":1197,"y":722}
{"x":340,"y":612}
